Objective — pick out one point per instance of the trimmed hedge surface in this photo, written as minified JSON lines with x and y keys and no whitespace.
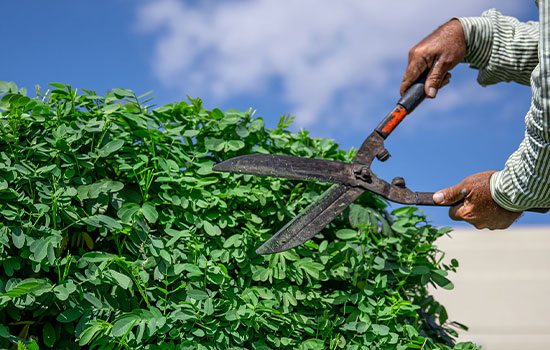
{"x":115,"y":233}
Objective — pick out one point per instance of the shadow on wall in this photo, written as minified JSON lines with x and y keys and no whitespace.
{"x":501,"y":287}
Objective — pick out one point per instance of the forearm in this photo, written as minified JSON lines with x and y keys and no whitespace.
{"x":501,"y":47}
{"x":525,"y":180}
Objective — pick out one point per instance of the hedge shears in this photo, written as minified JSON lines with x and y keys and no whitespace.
{"x":350,"y":179}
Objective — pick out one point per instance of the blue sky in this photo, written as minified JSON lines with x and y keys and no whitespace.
{"x":335,"y":65}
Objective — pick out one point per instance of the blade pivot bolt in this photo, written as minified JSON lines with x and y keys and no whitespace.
{"x":383,"y":155}
{"x":399,"y":182}
{"x":363,"y":173}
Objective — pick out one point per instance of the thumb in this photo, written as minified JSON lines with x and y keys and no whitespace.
{"x":450,"y":195}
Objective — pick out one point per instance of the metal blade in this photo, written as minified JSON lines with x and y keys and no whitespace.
{"x":312,"y":219}
{"x":290,"y":167}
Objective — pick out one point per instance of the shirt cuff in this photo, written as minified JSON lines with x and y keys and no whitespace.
{"x":478,"y":33}
{"x":499,"y":195}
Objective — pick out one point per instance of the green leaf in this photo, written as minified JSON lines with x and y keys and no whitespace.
{"x":18,"y":238}
{"x":214,"y":144}
{"x":411,"y":331}
{"x":101,"y":220}
{"x":166,"y":256}
{"x":197,"y":294}
{"x":380,"y":329}
{"x":48,"y":335}
{"x":98,"y":257}
{"x":312,"y":344}
{"x":441,"y":281}
{"x":110,"y":147}
{"x":208,"y":307}
{"x":149,"y":212}
{"x":190,"y":133}
{"x":261,"y":274}
{"x":211,"y":229}
{"x":123,"y":324}
{"x":234,"y":145}
{"x":40,"y":249}
{"x":95,"y":189}
{"x":127,"y":213}
{"x":45,"y":169}
{"x":217,"y":113}
{"x":346,"y":234}
{"x":68,"y":315}
{"x":4,"y":332}
{"x":22,"y":288}
{"x":93,"y":300}
{"x":58,"y":85}
{"x":242,"y":131}
{"x":120,"y":279}
{"x":31,"y":345}
{"x":88,"y":333}
{"x":61,"y":292}
{"x":359,"y":216}
{"x":4,"y":87}
{"x":310,"y":267}
{"x":233,"y":241}
{"x":231,"y":315}
{"x":108,"y":109}
{"x":192,"y":269}
{"x":197,"y":332}
{"x":420,"y":270}
{"x":256,"y":125}
{"x":120,"y":93}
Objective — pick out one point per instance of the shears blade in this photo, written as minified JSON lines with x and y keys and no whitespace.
{"x":312,"y":219}
{"x":290,"y":167}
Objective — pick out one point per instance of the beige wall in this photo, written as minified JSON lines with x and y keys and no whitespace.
{"x":502,"y":287}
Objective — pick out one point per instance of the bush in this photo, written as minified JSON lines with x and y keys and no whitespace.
{"x":116,"y":233}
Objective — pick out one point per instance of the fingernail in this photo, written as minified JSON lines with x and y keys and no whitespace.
{"x":438,"y":197}
{"x":432,"y":92}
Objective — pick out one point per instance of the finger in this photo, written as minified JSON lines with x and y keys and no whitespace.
{"x":480,"y":224}
{"x":417,"y":65}
{"x":463,"y":212}
{"x":446,"y":80}
{"x":450,"y":195}
{"x":435,"y":78}
{"x":454,"y":210}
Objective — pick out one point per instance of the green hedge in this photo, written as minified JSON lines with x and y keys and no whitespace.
{"x":116,"y":233}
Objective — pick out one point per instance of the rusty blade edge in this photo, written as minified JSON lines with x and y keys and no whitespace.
{"x":312,"y":219}
{"x":290,"y":167}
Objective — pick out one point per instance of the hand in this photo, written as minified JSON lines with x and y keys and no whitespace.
{"x":440,"y":52}
{"x":478,"y":207}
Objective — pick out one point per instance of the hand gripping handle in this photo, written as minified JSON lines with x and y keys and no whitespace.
{"x":408,"y":102}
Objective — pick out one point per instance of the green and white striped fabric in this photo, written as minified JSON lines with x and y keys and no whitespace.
{"x":505,"y":49}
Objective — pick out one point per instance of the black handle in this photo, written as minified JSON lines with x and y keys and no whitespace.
{"x":406,"y":104}
{"x":415,"y":94}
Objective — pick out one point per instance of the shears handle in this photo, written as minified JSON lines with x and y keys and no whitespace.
{"x":425,"y":198}
{"x":408,"y":102}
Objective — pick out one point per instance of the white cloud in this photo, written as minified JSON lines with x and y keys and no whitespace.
{"x":316,"y":49}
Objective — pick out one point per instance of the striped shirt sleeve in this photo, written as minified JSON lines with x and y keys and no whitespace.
{"x":501,"y":47}
{"x":508,"y":50}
